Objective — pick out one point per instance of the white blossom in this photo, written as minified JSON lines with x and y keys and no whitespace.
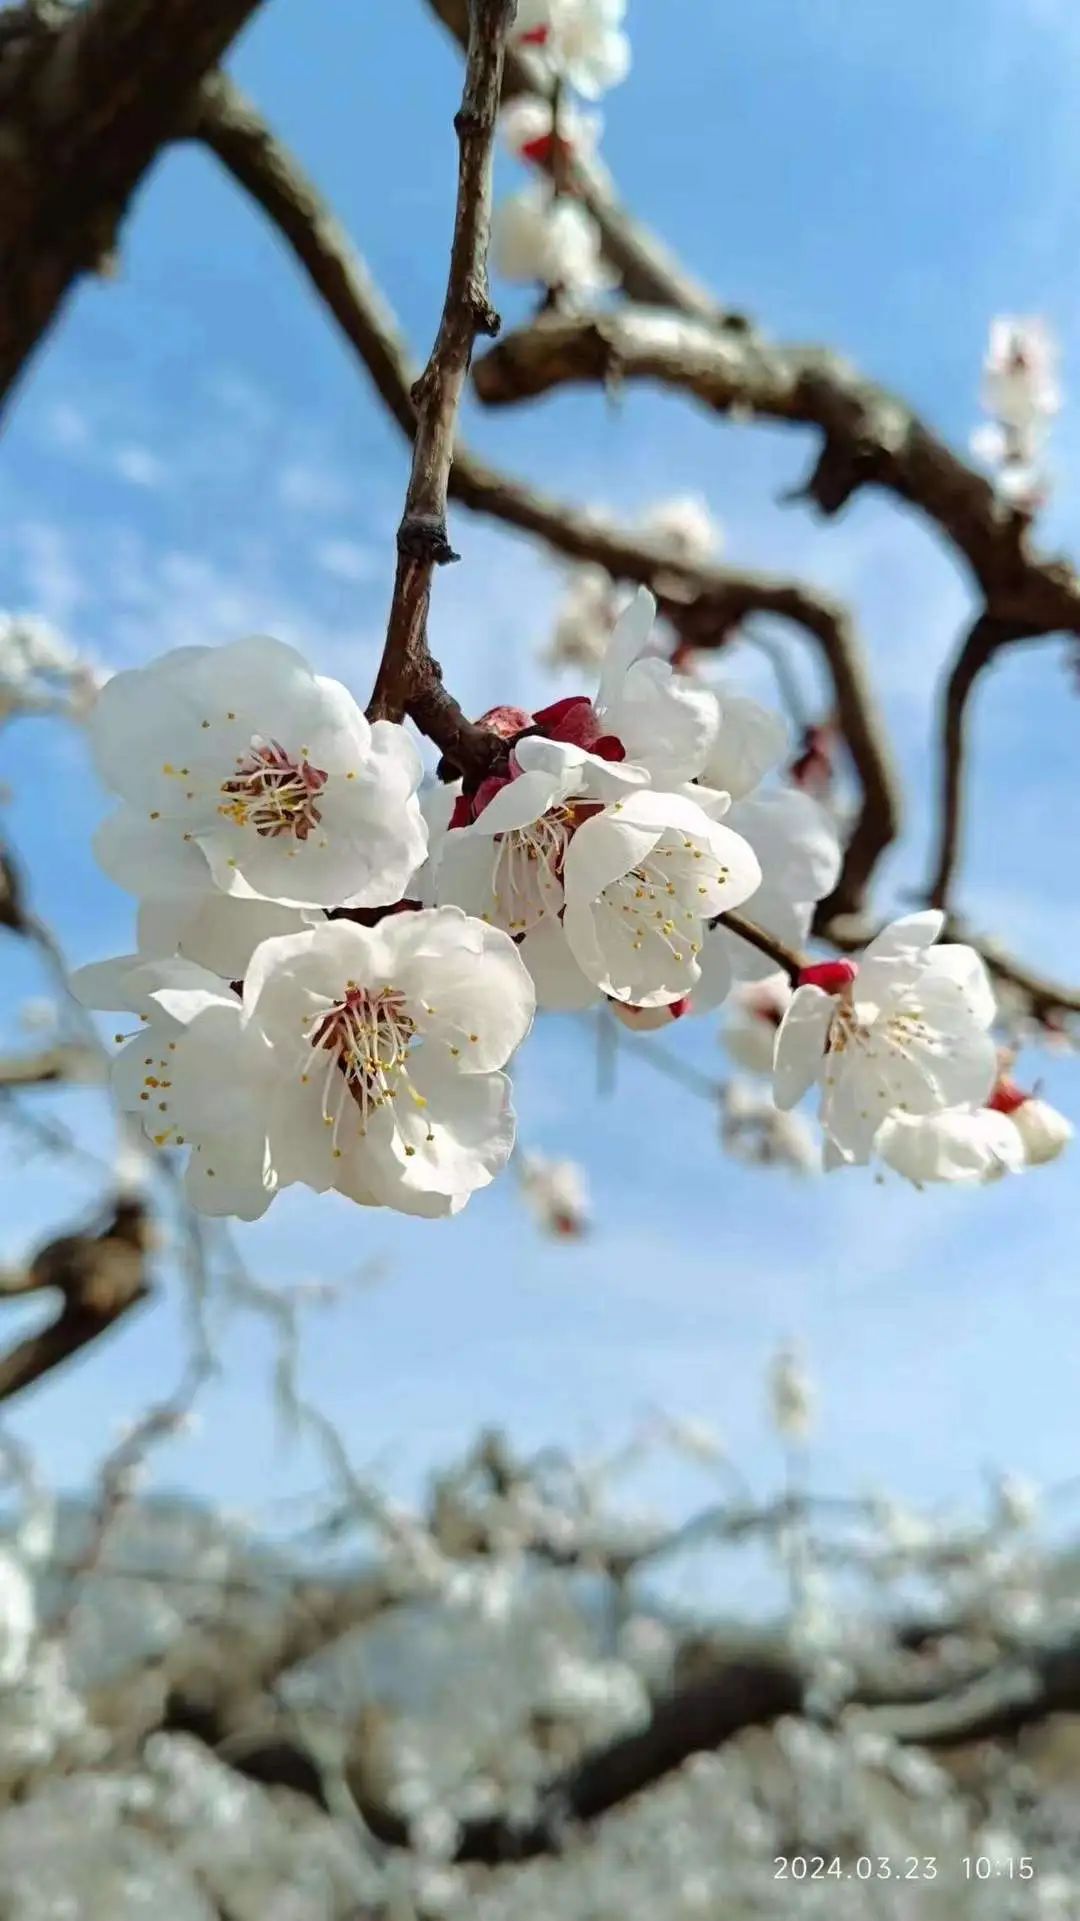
{"x":792,"y":1395}
{"x":557,"y":1194}
{"x":581,"y":40}
{"x":1017,"y":1501}
{"x":685,"y":524}
{"x":239,"y":766}
{"x":584,"y":620}
{"x":970,"y":1145}
{"x":753,"y":1130}
{"x":797,"y":847}
{"x":907,"y":1032}
{"x":749,"y":741}
{"x":527,"y":125}
{"x":553,"y":241}
{"x":386,"y":1045}
{"x":752,"y":1017}
{"x":1020,"y":373}
{"x":1021,"y":393}
{"x":641,"y":880}
{"x":193,"y":1075}
{"x":1044,"y":1132}
{"x":40,"y":671}
{"x":664,"y":721}
{"x":359,"y":1059}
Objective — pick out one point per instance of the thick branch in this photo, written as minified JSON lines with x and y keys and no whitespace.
{"x":87,"y":98}
{"x":870,"y":436}
{"x":406,"y":668}
{"x":101,"y":1277}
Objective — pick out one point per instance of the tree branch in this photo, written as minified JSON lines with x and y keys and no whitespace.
{"x":648,"y":269}
{"x":986,"y":637}
{"x":407,"y":677}
{"x":101,"y":1277}
{"x":87,"y":98}
{"x":870,"y":436}
{"x":705,"y":603}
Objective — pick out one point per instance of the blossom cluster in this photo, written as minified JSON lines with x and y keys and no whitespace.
{"x":280,"y":1038}
{"x":624,"y":827}
{"x":1021,"y":394}
{"x":543,"y":234}
{"x":901,"y":1048}
{"x":332,"y":971}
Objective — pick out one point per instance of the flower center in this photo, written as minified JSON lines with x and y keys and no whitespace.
{"x":651,"y":903}
{"x":527,"y":879}
{"x":367,"y":1037}
{"x":272,"y":792}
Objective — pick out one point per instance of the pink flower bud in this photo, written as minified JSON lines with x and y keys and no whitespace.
{"x":831,"y":976}
{"x":505,"y":721}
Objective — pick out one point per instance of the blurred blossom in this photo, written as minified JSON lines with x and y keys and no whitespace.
{"x":792,"y":1396}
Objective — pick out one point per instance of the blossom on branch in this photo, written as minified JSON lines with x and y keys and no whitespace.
{"x":753,"y":1018}
{"x":362,"y":1059}
{"x":554,"y":242}
{"x":581,"y":41}
{"x":1012,"y":1131}
{"x":1021,"y":393}
{"x":241,"y":769}
{"x":906,"y":1032}
{"x":528,"y":127}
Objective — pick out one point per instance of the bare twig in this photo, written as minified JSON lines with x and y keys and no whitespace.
{"x":408,"y":681}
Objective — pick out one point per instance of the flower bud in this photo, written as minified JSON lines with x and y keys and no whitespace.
{"x":831,"y":976}
{"x":1044,"y":1132}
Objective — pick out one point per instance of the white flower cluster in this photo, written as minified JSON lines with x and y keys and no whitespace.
{"x":328,"y":986}
{"x":543,"y":234}
{"x":624,"y":826}
{"x":1021,"y":393}
{"x":40,"y":672}
{"x":276,"y":1043}
{"x":901,"y":1048}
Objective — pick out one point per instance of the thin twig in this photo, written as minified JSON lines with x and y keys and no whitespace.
{"x":408,"y":681}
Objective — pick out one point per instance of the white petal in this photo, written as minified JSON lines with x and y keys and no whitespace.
{"x":629,"y":639}
{"x":749,"y":742}
{"x":561,"y":987}
{"x":964,"y":966}
{"x":716,"y":977}
{"x":150,"y":857}
{"x":801,"y":1041}
{"x":105,"y":984}
{"x":910,"y":935}
{"x":664,"y":721}
{"x":956,"y":1145}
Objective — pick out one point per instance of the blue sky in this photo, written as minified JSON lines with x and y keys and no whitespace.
{"x":195,"y":455}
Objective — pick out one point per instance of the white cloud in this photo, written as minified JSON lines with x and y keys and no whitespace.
{"x":348,"y":560}
{"x":139,"y":466}
{"x":311,"y":488}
